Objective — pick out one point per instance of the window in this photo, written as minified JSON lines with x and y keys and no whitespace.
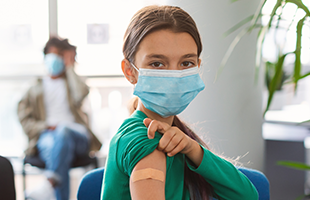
{"x":23,"y":33}
{"x":96,"y":27}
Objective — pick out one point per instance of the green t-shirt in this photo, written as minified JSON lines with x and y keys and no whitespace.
{"x":131,"y":144}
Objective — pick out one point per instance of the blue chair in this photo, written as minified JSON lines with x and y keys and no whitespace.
{"x":90,"y":186}
{"x":260,"y":182}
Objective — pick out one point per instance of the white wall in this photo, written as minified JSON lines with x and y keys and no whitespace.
{"x":228,"y":113}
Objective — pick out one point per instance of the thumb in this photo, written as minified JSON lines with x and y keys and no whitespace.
{"x":147,"y":122}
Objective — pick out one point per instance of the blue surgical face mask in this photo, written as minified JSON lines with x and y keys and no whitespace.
{"x":54,"y":63}
{"x":168,"y":92}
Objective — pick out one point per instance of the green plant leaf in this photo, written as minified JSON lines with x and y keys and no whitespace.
{"x":302,"y":196}
{"x":259,"y":46}
{"x":290,"y":25}
{"x":236,"y":40}
{"x":274,"y":11}
{"x":294,"y":165}
{"x":230,"y":50}
{"x":261,"y":38}
{"x":297,"y":68}
{"x":257,"y":14}
{"x":307,"y":121}
{"x":300,"y":4}
{"x":238,"y":25}
{"x":304,"y":76}
{"x":269,"y":74}
{"x":275,"y":80}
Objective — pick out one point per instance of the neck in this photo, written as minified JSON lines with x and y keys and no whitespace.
{"x":154,"y":116}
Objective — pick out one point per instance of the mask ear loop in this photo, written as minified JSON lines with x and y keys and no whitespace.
{"x":137,"y":71}
{"x":134,"y":67}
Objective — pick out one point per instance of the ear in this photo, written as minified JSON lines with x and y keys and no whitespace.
{"x":129,"y":71}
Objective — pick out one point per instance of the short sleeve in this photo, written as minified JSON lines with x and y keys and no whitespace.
{"x":134,"y":146}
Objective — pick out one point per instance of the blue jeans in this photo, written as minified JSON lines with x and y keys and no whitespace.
{"x":57,"y":148}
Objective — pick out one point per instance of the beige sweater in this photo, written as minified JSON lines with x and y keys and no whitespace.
{"x":31,"y":110}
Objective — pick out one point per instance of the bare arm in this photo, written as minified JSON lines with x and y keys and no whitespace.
{"x":149,"y":189}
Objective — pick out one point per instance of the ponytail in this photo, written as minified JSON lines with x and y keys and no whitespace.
{"x":198,"y":187}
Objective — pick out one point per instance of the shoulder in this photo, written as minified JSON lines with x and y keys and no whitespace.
{"x":133,"y":128}
{"x":132,"y":142}
{"x":73,"y":78}
{"x":132,"y":136}
{"x":35,"y":88}
{"x":133,"y":133}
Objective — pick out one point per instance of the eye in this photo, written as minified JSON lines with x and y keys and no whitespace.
{"x":187,"y":64}
{"x":156,"y":64}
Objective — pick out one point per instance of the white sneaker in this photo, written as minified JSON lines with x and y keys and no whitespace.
{"x":44,"y":191}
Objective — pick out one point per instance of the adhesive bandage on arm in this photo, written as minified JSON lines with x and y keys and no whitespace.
{"x":148,"y":173}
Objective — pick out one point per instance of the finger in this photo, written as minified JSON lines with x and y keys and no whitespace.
{"x":165,"y":139}
{"x":153,"y":127}
{"x":158,"y":126}
{"x":178,"y":148}
{"x":147,"y":122}
{"x":173,"y":143}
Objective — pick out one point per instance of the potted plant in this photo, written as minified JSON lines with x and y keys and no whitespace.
{"x":276,"y":75}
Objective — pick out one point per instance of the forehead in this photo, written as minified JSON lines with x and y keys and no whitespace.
{"x":168,"y":43}
{"x":54,"y":49}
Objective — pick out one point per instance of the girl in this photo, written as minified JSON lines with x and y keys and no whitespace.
{"x":154,"y":155}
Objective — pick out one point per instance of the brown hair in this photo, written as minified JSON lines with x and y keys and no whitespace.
{"x":153,"y":18}
{"x":68,"y":46}
{"x":61,"y":44}
{"x":150,"y":19}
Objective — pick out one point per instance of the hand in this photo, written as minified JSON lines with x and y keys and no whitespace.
{"x":173,"y":140}
{"x":69,"y":58}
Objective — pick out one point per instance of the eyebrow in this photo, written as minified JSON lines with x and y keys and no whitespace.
{"x":190,"y":55}
{"x":156,"y":56}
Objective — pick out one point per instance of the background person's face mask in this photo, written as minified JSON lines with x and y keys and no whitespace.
{"x":54,"y":63}
{"x":168,"y":92}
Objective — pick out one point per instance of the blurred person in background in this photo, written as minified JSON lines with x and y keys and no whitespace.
{"x":51,"y":116}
